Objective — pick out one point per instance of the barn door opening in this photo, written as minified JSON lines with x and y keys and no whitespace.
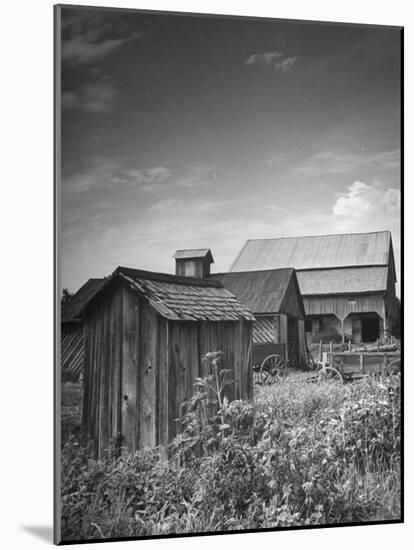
{"x":370,"y":327}
{"x":293,"y":341}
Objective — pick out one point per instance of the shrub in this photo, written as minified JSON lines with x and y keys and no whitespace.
{"x":300,"y":454}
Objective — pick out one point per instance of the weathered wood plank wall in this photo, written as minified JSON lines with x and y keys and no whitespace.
{"x":341,"y":306}
{"x":140,"y":369}
{"x":71,"y":349}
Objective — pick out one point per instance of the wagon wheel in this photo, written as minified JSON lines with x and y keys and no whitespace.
{"x":272,"y":369}
{"x":329,"y":373}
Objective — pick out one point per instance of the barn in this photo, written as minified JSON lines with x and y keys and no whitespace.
{"x":145,"y":336}
{"x":347,"y":281}
{"x":71,"y":334}
{"x":276,"y":302}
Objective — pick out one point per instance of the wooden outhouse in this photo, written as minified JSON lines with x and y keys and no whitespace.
{"x":145,"y":336}
{"x":276,"y":302}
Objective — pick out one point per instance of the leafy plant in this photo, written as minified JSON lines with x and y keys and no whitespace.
{"x":299,"y":454}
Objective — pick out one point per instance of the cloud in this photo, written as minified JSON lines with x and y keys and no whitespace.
{"x":276,"y":159}
{"x":197,"y":175}
{"x":340,"y":162}
{"x":278,"y":61}
{"x":392,"y":200}
{"x":108,"y":174}
{"x":104,"y":174}
{"x":87,"y":39}
{"x":82,"y":49}
{"x":356,"y":202}
{"x":146,"y":236}
{"x":146,"y":179}
{"x":94,"y":97}
{"x":360,"y":201}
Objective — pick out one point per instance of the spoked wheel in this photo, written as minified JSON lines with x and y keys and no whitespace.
{"x":272,"y":369}
{"x":329,"y":373}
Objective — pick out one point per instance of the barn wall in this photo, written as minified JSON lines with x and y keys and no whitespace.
{"x":390,"y":304}
{"x":341,"y":306}
{"x":283,"y":330}
{"x":302,"y":342}
{"x":266,"y":329}
{"x":292,"y":300}
{"x":274,"y":329}
{"x":71,"y":349}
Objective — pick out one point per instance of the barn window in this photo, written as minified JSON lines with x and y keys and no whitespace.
{"x":308,"y":325}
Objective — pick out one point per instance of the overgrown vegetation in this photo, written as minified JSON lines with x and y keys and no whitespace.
{"x":300,"y":454}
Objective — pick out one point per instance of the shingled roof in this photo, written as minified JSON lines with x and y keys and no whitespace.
{"x":183,"y":298}
{"x":315,"y":252}
{"x":351,"y":280}
{"x":263,"y":291}
{"x":71,"y":310}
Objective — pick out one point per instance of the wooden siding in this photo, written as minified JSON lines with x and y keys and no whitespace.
{"x":71,"y":349}
{"x":265,"y":329}
{"x":140,"y":369}
{"x":103,"y":389}
{"x":302,"y":342}
{"x":390,"y":300}
{"x":341,"y":306}
{"x":198,"y":268}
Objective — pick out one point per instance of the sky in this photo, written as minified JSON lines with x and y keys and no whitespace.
{"x":202,"y":132}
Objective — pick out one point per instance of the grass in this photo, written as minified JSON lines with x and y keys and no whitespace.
{"x":300,"y":454}
{"x":71,"y":410}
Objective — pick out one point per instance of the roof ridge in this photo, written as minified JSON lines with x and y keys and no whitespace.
{"x":292,"y":269}
{"x":313,"y":236}
{"x":168,"y":277}
{"x":350,"y":266}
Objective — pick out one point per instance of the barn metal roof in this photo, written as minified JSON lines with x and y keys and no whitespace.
{"x":71,"y":310}
{"x":184,"y":298}
{"x":262,"y":291}
{"x":312,"y":252}
{"x":343,"y":281}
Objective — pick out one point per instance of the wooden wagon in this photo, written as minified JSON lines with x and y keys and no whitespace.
{"x":269,"y":362}
{"x":354,"y":366}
